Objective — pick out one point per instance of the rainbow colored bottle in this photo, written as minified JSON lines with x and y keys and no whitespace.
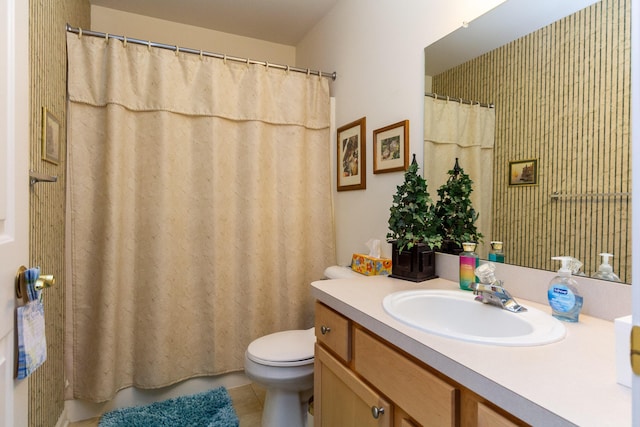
{"x":468,"y":262}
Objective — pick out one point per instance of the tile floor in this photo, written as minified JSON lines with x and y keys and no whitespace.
{"x":247,"y":401}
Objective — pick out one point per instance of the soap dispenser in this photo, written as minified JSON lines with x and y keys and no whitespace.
{"x":496,"y":254}
{"x":468,"y":262}
{"x":605,"y":272}
{"x":564,"y":299}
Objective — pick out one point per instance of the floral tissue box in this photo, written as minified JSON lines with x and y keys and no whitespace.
{"x":370,"y":266}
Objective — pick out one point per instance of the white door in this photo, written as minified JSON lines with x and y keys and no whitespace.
{"x":635,"y":207}
{"x":14,"y":192}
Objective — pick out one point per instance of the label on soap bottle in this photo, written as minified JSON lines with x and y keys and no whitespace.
{"x":496,"y":257}
{"x":561,"y":298}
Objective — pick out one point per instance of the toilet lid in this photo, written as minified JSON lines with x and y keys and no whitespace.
{"x":286,"y":348}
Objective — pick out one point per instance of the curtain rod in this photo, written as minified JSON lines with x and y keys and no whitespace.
{"x":175,"y":48}
{"x":462,"y":101}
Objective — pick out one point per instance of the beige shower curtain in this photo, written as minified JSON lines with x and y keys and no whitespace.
{"x":200,"y":211}
{"x":456,"y":130}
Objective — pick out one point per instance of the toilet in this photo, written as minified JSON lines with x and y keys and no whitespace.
{"x":282,"y":362}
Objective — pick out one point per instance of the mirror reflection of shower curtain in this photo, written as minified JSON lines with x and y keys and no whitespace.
{"x":453,"y":129}
{"x":200,"y":211}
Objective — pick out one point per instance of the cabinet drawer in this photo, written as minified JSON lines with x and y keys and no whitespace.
{"x":332,"y":330}
{"x":428,"y":399}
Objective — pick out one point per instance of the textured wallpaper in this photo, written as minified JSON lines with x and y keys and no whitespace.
{"x":48,"y":64}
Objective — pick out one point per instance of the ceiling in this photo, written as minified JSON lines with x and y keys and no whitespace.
{"x":278,"y":21}
{"x":509,"y":21}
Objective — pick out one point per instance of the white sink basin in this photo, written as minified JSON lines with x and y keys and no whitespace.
{"x":455,"y":314}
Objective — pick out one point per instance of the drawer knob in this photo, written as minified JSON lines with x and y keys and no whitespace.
{"x":376,"y":412}
{"x":325,"y":330}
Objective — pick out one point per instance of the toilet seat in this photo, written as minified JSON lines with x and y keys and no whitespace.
{"x":286,"y":348}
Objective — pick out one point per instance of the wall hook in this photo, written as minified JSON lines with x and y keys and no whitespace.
{"x":35,"y":177}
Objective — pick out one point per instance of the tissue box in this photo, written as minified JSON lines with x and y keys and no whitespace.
{"x":622,"y":327}
{"x":370,"y":266}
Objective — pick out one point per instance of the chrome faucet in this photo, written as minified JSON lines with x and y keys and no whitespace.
{"x":491,"y":291}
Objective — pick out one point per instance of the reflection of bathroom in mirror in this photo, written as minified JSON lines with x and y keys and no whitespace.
{"x":562,"y":97}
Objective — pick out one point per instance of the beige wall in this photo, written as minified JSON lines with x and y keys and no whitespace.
{"x":158,"y":30}
{"x":378,"y":54}
{"x":562,"y":96}
{"x":48,"y":78}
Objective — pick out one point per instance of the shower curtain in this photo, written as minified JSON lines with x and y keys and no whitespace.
{"x":200,"y":211}
{"x":456,"y":130}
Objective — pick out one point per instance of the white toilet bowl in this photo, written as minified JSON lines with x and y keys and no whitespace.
{"x":282,"y":362}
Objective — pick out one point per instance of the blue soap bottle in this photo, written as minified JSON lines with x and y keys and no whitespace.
{"x":496,"y":254}
{"x":564,"y":299}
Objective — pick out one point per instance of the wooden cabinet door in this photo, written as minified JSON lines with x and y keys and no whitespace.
{"x":401,"y":418}
{"x":341,"y":399}
{"x":487,"y":417}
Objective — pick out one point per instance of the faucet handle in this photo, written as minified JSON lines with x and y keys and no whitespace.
{"x":496,"y":294}
{"x":495,"y":287}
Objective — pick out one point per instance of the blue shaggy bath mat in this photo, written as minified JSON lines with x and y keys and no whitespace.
{"x":211,"y":408}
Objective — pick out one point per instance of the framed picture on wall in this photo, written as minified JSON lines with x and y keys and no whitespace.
{"x":352,"y":171}
{"x":523,"y":172}
{"x":50,"y":137}
{"x":391,"y":148}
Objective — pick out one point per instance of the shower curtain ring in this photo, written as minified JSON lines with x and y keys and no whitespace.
{"x":79,"y":32}
{"x":124,"y":41}
{"x":106,"y":37}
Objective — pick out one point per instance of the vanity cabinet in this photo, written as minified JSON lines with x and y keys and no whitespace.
{"x":362,"y":380}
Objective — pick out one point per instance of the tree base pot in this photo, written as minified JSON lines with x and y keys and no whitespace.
{"x":416,"y":264}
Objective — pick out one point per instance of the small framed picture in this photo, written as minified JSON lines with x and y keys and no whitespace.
{"x":50,"y":137}
{"x":352,"y":171}
{"x":391,"y":148}
{"x":523,"y":172}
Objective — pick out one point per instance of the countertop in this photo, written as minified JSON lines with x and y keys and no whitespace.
{"x":570,"y":382}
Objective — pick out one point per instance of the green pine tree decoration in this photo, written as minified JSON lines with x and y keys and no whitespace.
{"x":412,"y":219}
{"x":455,"y":210}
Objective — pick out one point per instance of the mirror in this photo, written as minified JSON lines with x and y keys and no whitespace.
{"x":558,"y":74}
